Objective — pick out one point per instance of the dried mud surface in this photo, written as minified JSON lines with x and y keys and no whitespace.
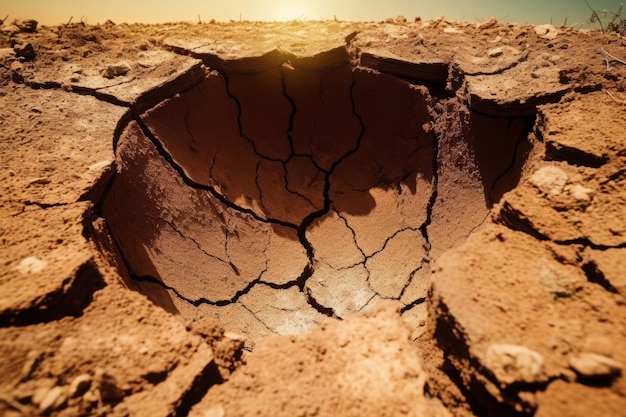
{"x":312,"y":218}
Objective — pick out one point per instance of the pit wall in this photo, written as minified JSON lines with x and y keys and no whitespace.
{"x":278,"y":199}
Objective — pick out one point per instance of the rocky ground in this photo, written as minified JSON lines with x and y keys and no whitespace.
{"x":312,"y":218}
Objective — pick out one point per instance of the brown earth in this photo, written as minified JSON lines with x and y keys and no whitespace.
{"x":312,"y":218}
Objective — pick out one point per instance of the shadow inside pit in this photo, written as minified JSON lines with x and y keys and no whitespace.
{"x":501,"y":146}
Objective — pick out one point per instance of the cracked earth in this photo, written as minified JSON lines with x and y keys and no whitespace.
{"x":312,"y":218}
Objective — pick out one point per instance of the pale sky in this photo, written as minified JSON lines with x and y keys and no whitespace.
{"x":519,"y":11}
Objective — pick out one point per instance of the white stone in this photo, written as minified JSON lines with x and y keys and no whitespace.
{"x":579,"y":192}
{"x":31,"y":265}
{"x":593,"y":365}
{"x":513,"y":363}
{"x":549,"y":180}
{"x":546,"y":31}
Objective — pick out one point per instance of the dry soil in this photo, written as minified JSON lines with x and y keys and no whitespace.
{"x":313,"y":219}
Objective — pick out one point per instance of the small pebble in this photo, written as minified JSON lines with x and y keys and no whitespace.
{"x":580,"y":193}
{"x":39,"y":181}
{"x":115,"y":70}
{"x":79,"y":385}
{"x":488,"y":24}
{"x":31,"y":265}
{"x":546,"y":31}
{"x":54,"y":399}
{"x":32,"y":359}
{"x":495,"y":52}
{"x":593,"y":365}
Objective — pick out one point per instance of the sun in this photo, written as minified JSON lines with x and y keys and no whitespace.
{"x":292,"y":14}
{"x":290,"y":10}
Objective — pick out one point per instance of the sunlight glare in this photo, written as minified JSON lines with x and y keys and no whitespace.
{"x":292,"y":12}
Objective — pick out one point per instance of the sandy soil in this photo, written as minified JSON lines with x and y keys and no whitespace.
{"x":312,"y":218}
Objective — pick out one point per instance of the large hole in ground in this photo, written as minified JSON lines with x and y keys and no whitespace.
{"x":274,"y":200}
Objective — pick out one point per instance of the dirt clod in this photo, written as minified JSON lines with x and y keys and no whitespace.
{"x":25,"y":51}
{"x":27,"y":25}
